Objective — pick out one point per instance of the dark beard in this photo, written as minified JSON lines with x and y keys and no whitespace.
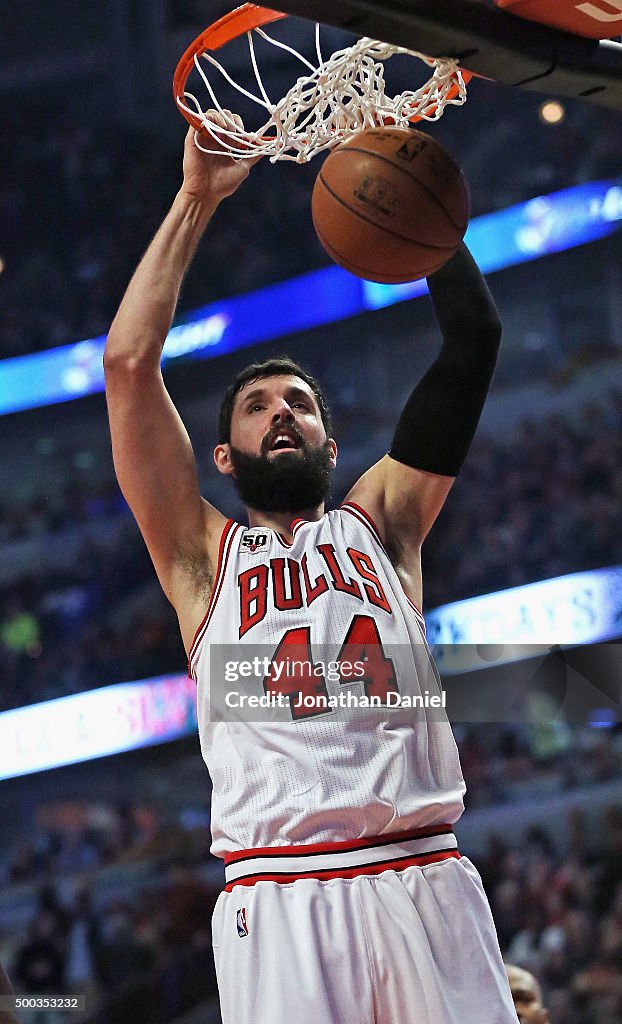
{"x":286,"y":483}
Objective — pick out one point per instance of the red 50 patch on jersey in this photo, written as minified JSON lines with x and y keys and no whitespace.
{"x":255,"y":540}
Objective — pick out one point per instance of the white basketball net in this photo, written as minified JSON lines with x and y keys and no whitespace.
{"x":342,"y":95}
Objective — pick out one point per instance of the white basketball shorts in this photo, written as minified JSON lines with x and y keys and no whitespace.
{"x":395,"y":930}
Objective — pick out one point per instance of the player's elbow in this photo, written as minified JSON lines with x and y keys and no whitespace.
{"x":480,"y":338}
{"x":119,"y":363}
{"x":492,"y":328}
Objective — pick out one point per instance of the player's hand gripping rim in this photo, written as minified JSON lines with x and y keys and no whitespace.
{"x":211,"y":177}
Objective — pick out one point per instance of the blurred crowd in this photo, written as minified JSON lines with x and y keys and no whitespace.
{"x":78,"y":209}
{"x":543,"y":504}
{"x":559,"y":914}
{"x":77,"y":837}
{"x":514,"y":764}
{"x":146,"y":955}
{"x":142,"y":957}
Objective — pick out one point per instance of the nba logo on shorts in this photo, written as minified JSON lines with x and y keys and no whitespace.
{"x":241,"y":922}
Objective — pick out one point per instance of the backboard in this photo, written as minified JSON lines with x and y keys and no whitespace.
{"x":487,"y":41}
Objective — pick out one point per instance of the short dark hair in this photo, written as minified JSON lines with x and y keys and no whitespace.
{"x":281,"y":366}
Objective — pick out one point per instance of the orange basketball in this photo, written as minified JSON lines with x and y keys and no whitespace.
{"x":390,"y":205}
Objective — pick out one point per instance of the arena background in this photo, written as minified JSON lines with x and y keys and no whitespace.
{"x":107,"y":880}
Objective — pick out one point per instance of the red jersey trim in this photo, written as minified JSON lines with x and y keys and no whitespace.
{"x":229,"y":530}
{"x":295,"y":526}
{"x":399,"y":864}
{"x":365,"y":518}
{"x":415,"y":609}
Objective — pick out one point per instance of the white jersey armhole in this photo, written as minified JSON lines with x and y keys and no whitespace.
{"x":229,"y":532}
{"x":366,"y":520}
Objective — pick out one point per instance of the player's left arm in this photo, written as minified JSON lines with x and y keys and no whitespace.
{"x":405,"y":491}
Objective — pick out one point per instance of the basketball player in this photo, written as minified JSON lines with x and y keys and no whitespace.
{"x":527,"y":996}
{"x":346,"y":899}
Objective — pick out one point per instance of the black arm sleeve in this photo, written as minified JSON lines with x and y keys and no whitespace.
{"x":439,"y":420}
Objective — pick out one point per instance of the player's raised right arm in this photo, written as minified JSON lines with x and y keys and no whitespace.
{"x":152,"y":452}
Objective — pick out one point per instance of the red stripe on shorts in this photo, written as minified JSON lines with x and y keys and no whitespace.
{"x":351,"y":872}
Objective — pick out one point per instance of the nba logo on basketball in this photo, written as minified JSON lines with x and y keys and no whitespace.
{"x":254,"y":540}
{"x":241,"y":923}
{"x":377,"y":192}
{"x":411,"y":149}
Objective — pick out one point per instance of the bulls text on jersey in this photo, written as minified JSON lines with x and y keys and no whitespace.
{"x":292,"y":587}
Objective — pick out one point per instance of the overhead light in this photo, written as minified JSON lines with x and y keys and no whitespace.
{"x":552,"y":112}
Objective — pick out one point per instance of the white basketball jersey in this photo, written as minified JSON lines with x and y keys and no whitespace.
{"x":322,"y":774}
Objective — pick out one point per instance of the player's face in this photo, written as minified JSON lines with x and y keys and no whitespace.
{"x":279,"y":456}
{"x":527,"y":997}
{"x":274,"y":415}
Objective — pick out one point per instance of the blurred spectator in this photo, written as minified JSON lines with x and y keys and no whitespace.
{"x":40,"y":962}
{"x":527,"y":996}
{"x":81,"y":948}
{"x":187,"y":902}
{"x":122,"y":953}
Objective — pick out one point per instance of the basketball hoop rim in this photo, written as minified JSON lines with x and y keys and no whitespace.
{"x":230,"y":26}
{"x":243,"y":21}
